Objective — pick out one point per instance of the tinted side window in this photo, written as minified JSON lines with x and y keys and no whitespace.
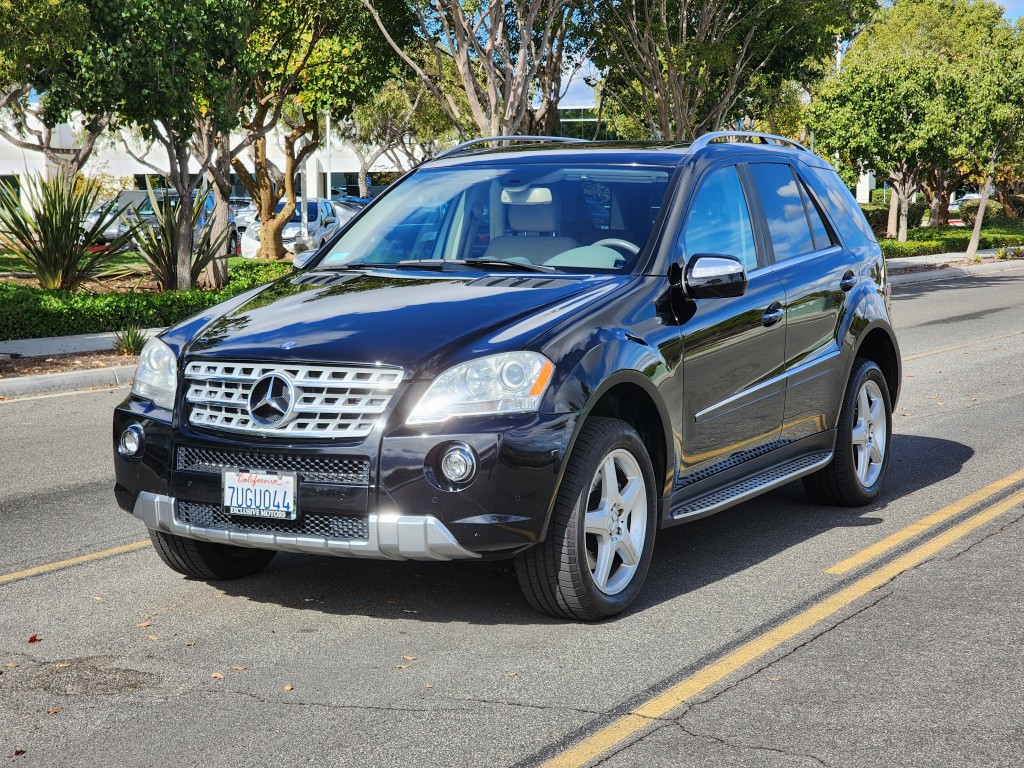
{"x":841,"y":206}
{"x":819,"y":229}
{"x":783,"y":210}
{"x":718,"y":220}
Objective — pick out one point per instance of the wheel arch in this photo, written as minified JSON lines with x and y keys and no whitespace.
{"x":877,"y":344}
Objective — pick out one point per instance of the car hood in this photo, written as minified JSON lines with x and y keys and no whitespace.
{"x":410,"y":319}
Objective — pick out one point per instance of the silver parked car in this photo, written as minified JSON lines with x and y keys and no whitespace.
{"x":322,"y":222}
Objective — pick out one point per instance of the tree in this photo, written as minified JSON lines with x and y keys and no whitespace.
{"x":38,"y":59}
{"x":678,"y":68}
{"x":159,"y":66}
{"x":306,"y":58}
{"x":510,"y":57}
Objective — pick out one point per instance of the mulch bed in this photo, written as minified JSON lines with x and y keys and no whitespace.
{"x":74,"y":361}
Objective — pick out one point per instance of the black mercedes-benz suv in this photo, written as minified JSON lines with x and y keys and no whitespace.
{"x":545,"y":351}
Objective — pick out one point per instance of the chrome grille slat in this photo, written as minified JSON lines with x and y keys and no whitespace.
{"x":350,"y":470}
{"x":330,"y":401}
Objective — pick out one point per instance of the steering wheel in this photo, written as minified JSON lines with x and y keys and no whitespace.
{"x":617,"y":242}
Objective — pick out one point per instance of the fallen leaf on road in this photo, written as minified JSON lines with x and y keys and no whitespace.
{"x":53,"y":711}
{"x":391,"y":602}
{"x":512,"y":674}
{"x":428,"y":685}
{"x":238,"y":667}
{"x":35,"y":639}
{"x":143,"y":625}
{"x":152,"y":637}
{"x":217,"y":675}
{"x":289,"y":687}
{"x":19,"y":752}
{"x":401,"y":666}
{"x":11,"y":665}
{"x":62,"y":664}
{"x":97,"y":597}
{"x":409,"y":658}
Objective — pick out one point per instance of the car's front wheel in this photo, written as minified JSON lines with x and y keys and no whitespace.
{"x":208,"y":560}
{"x":863,"y":436}
{"x":598,"y":549}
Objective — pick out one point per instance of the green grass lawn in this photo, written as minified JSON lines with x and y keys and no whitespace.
{"x":11,"y":263}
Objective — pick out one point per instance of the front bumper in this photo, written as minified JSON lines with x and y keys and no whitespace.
{"x":391,"y":536}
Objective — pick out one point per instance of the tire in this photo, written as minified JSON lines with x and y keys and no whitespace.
{"x":584,"y":574}
{"x":207,"y":560}
{"x":233,"y":245}
{"x":860,"y":437}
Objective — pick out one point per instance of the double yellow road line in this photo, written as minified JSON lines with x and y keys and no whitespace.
{"x":664,"y":704}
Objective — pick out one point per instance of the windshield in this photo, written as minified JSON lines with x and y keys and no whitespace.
{"x":573,"y":218}
{"x":297,"y":214}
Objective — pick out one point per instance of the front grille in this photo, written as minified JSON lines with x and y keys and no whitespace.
{"x":351,"y":470}
{"x":324,"y":526}
{"x":329,"y":401}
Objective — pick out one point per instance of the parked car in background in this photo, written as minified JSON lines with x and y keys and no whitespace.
{"x":484,"y":366}
{"x":345,"y":211}
{"x":120,"y":205}
{"x":145,"y":215}
{"x":245,"y":213}
{"x":322,"y":222}
{"x":960,"y":197}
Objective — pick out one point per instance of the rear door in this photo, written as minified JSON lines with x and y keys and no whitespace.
{"x":733,"y":348}
{"x":815,"y":272}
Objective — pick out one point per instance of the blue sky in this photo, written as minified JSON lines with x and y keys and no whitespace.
{"x":1014,"y":8}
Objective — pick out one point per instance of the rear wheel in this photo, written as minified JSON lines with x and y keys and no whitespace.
{"x":863,"y":436}
{"x":598,"y":550}
{"x":207,"y":560}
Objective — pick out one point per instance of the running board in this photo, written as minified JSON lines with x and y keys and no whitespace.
{"x":749,"y":487}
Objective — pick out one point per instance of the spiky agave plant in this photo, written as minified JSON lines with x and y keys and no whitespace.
{"x":51,"y":233}
{"x":130,"y":341}
{"x":158,"y":245}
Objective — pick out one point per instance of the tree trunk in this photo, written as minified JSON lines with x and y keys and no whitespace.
{"x":216,"y":274}
{"x":972,"y":247}
{"x":938,"y":189}
{"x":364,"y":189}
{"x":904,"y":199}
{"x":894,"y":211}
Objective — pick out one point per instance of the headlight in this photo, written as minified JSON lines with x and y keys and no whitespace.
{"x":157,"y":376}
{"x":513,"y":382}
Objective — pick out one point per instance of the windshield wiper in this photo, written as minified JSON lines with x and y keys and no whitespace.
{"x":510,"y":266}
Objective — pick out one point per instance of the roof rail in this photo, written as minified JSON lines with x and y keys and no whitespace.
{"x":459,"y":149}
{"x":707,"y":138}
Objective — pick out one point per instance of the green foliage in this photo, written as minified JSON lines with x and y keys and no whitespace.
{"x":995,"y":213}
{"x":51,"y":236}
{"x":877,"y":215}
{"x":130,"y":341}
{"x":925,"y":242}
{"x":27,"y":313}
{"x":158,"y":246}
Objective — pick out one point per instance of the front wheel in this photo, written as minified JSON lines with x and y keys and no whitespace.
{"x":863,"y":436}
{"x":208,"y":560}
{"x":598,"y":549}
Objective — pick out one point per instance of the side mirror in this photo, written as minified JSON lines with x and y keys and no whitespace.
{"x":302,"y":257}
{"x":715,"y":276}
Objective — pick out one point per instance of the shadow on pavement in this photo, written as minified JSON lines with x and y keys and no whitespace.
{"x":913,"y":290}
{"x":686,"y":557}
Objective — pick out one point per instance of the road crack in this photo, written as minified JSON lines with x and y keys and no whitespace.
{"x":740,"y":745}
{"x":986,"y":537}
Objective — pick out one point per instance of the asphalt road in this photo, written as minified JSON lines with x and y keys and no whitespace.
{"x":743,"y":650}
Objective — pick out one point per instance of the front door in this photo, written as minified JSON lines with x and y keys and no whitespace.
{"x":733,"y":348}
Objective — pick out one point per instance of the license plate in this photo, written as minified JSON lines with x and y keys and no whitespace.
{"x":260,"y":493}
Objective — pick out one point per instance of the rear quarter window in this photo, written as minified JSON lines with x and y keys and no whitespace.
{"x":840,"y":205}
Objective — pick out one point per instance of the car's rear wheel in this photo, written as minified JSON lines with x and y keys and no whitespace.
{"x":598,"y":549}
{"x":863,"y":437}
{"x":208,"y":560}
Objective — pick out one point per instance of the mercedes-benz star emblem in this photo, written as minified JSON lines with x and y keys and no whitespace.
{"x":271,"y":400}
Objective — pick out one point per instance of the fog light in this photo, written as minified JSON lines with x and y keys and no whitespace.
{"x":458,"y":464}
{"x":132,"y":442}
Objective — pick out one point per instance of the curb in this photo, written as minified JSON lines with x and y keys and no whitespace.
{"x":18,"y":387}
{"x":947,"y":271}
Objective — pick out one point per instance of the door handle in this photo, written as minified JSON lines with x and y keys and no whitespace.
{"x":772,"y":315}
{"x":849,"y":280}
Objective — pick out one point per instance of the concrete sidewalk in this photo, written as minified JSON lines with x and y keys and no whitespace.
{"x":914,"y":269}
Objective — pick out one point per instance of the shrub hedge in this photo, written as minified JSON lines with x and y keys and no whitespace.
{"x":27,"y":313}
{"x":878,"y":216}
{"x":924,"y":242}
